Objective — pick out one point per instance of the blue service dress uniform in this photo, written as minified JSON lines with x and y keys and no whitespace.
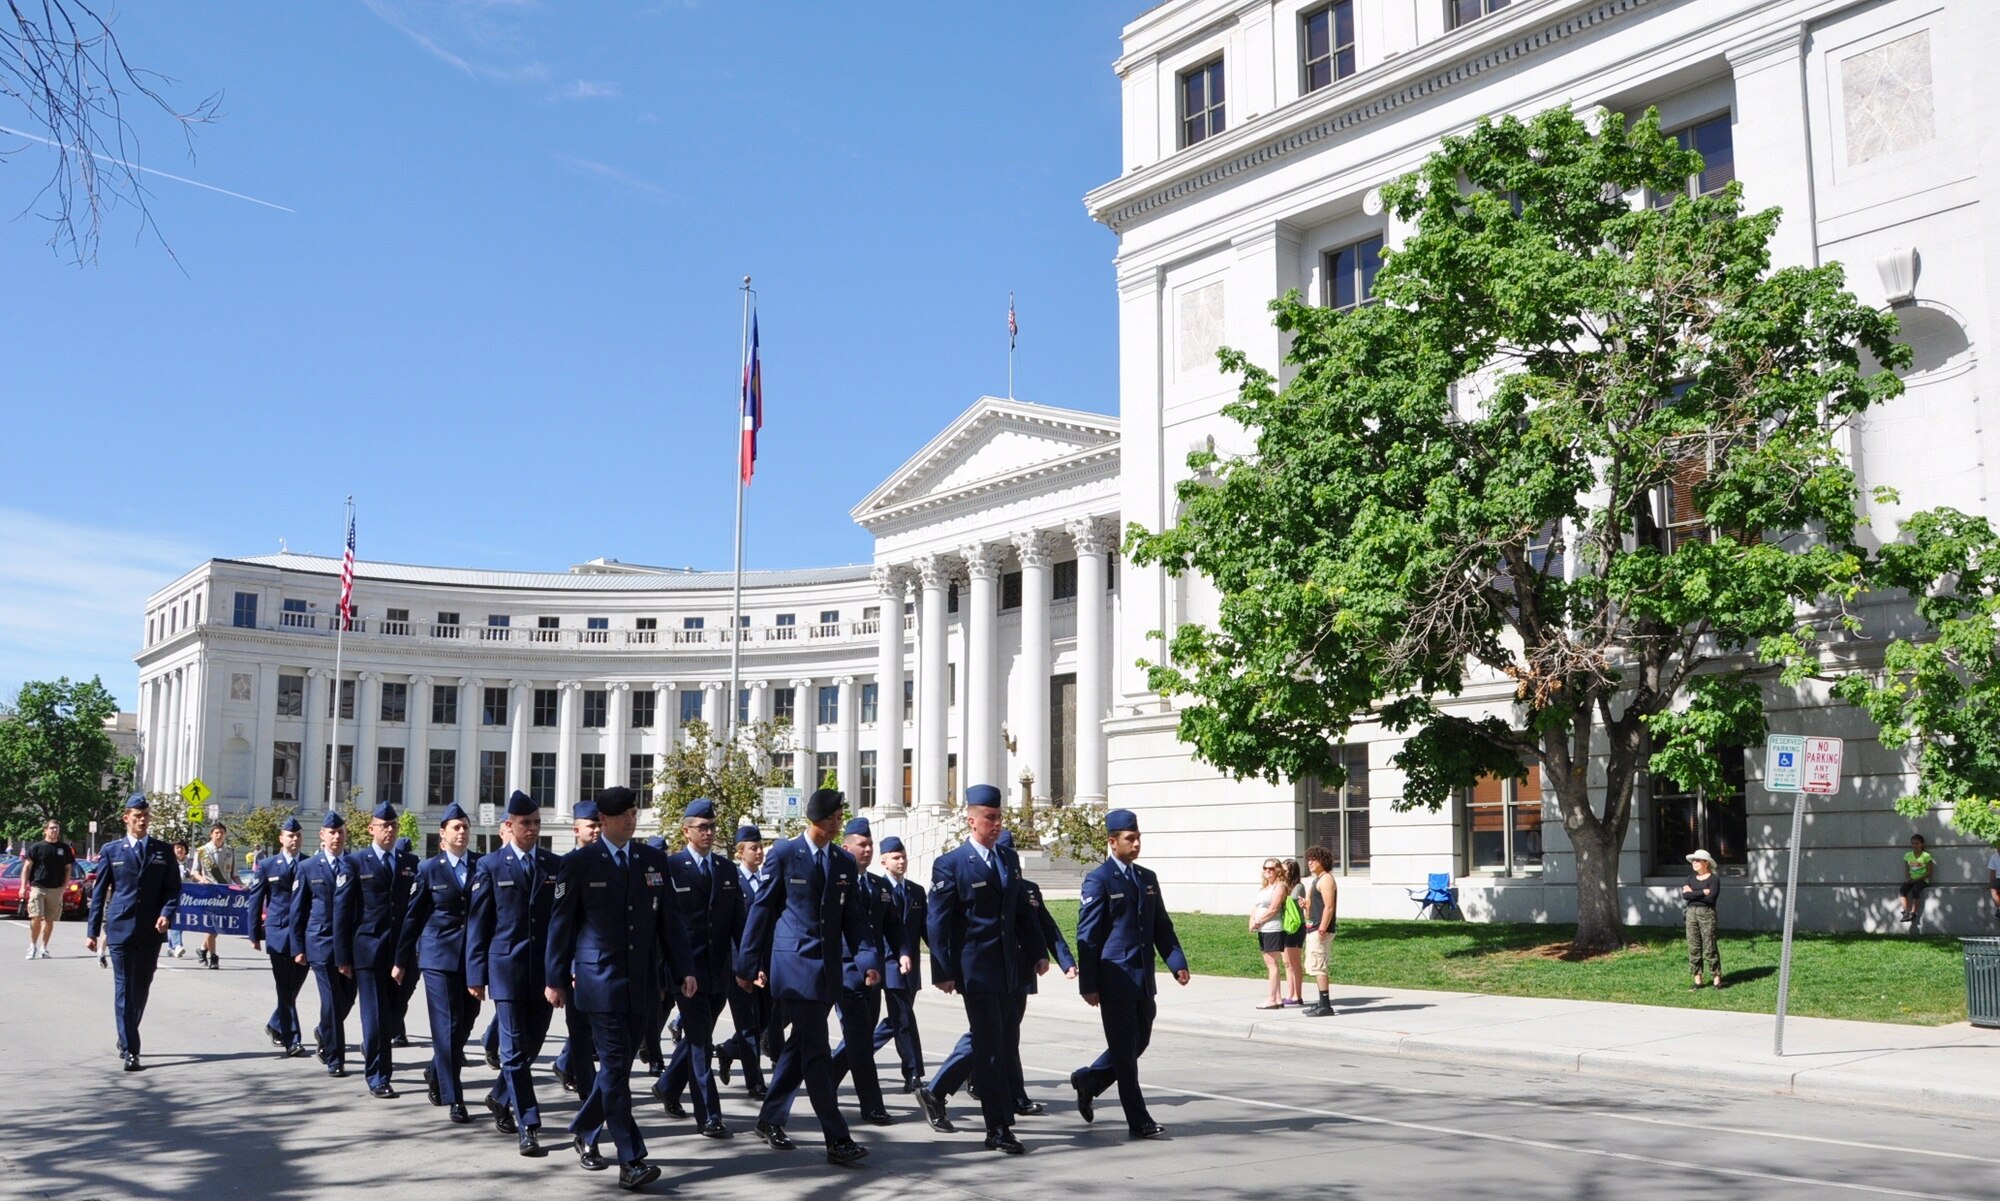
{"x":506,"y":944}
{"x":138,"y":883}
{"x":320,"y":878}
{"x":708,"y":892}
{"x":1121,"y":926}
{"x":860,"y":1004}
{"x":433,"y":939}
{"x":1036,"y":941}
{"x":808,"y":910}
{"x":977,"y":905}
{"x":749,"y":1008}
{"x":401,"y":993}
{"x":367,"y":927}
{"x":613,"y":938}
{"x":275,"y":885}
{"x":899,"y":988}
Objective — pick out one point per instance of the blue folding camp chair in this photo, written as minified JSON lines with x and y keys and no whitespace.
{"x":1437,"y":898}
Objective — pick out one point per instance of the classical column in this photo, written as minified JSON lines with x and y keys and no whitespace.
{"x":177,"y":706}
{"x":712,"y":712}
{"x":847,"y":736}
{"x":519,"y":693}
{"x":195,"y":714}
{"x":893,"y":582}
{"x":312,"y":789}
{"x":265,"y":746}
{"x":615,"y":720}
{"x":666,"y":721}
{"x":417,"y":755}
{"x":471,"y":699}
{"x":805,"y":733}
{"x":367,"y":709}
{"x":982,"y":656}
{"x":568,"y":698}
{"x":933,"y":691}
{"x":760,"y":701}
{"x":1094,"y":538}
{"x":147,"y":741}
{"x":1031,"y":728}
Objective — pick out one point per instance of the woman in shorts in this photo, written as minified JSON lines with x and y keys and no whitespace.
{"x":1295,"y":941}
{"x":1267,"y":922}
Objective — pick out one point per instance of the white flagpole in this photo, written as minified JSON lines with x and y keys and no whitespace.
{"x":1010,"y":345}
{"x":727,"y":724}
{"x":339,"y":635}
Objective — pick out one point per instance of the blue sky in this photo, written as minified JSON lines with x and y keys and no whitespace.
{"x":502,"y":310}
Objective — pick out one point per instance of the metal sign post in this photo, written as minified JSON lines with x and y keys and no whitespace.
{"x":1800,"y":766}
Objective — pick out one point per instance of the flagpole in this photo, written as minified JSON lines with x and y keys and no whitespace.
{"x":339,"y":636}
{"x":728,"y":722}
{"x":1010,"y":345}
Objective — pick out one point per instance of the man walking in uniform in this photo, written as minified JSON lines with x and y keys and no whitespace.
{"x":614,"y":936}
{"x":137,"y":893}
{"x":575,"y":1066}
{"x":433,"y":938}
{"x":368,"y":910}
{"x":709,"y":895}
{"x":319,"y":879}
{"x":749,"y":1008}
{"x":506,"y":945}
{"x":899,"y":987}
{"x":1120,"y":926}
{"x":860,"y":1005}
{"x":274,"y":891}
{"x":405,"y":981}
{"x":792,"y":946}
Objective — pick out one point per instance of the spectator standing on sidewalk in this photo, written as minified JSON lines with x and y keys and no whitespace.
{"x":1268,"y":924}
{"x":181,"y":864}
{"x":1918,"y":864}
{"x":212,"y":865}
{"x":1700,"y":892}
{"x":1322,"y":902}
{"x":1295,"y":940}
{"x":45,"y":877}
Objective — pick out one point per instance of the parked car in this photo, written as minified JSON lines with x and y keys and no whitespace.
{"x":13,"y":900}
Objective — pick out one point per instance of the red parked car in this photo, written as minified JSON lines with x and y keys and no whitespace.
{"x":13,"y":901}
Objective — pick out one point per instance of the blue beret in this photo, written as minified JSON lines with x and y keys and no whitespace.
{"x":749,"y":833}
{"x":982,"y":795}
{"x":859,"y":825}
{"x":333,"y":821}
{"x":137,"y":801}
{"x":1006,"y":839}
{"x":521,"y":804}
{"x":616,"y":800}
{"x":452,"y":813}
{"x":384,"y":812}
{"x":290,"y":825}
{"x":889,"y":846}
{"x":824,"y":803}
{"x":585,"y":811}
{"x":1121,"y":819}
{"x":699,"y":807}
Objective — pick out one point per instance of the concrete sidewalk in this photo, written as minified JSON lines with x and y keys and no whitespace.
{"x":1939,"y":1069}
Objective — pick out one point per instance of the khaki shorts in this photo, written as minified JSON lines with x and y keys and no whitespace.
{"x":45,"y":903}
{"x":1316,"y":944}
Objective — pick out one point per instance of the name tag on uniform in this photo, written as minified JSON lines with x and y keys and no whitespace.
{"x":1117,"y":896}
{"x":440,"y":888}
{"x":598,"y":883}
{"x":980,"y":883}
{"x":797,"y":880}
{"x":505,"y":883}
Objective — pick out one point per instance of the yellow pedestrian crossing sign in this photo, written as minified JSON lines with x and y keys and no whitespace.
{"x":196,"y":794}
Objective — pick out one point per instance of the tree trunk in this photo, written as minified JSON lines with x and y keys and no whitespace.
{"x":1600,"y":925}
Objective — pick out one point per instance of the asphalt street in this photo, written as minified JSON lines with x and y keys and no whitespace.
{"x":216,"y":1116}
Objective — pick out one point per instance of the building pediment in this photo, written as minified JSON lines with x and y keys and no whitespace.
{"x":996,"y":445}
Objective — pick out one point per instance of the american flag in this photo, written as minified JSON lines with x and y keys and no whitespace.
{"x":1013,"y":326}
{"x":347,"y":578}
{"x":753,"y":404}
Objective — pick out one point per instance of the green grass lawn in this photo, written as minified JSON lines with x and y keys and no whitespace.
{"x":1868,"y":977}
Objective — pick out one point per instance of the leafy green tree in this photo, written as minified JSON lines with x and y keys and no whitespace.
{"x":1582,"y":442}
{"x":734,"y":777}
{"x":260,"y":826}
{"x":56,"y":760}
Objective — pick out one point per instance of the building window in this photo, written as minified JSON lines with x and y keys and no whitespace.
{"x":639,"y":770}
{"x":1327,"y":44}
{"x":870,"y":694}
{"x":446,"y":626}
{"x":1503,"y":824}
{"x":826,"y":764}
{"x":909,"y":780}
{"x":542,"y":778}
{"x":291,"y":696}
{"x":596,"y":708}
{"x":1337,"y":815}
{"x":1465,"y":12}
{"x":646,"y":630}
{"x":785,"y":625}
{"x":493,"y":707}
{"x":1010,"y":590}
{"x":444,"y":704}
{"x":691,"y":705}
{"x":396,"y":622}
{"x":951,"y":684}
{"x":346,"y":693}
{"x":589,"y":776}
{"x":245,"y":615}
{"x":343,"y":780}
{"x":441,"y":782}
{"x":493,"y":777}
{"x":951,"y":597}
{"x":644,"y":710}
{"x":785,"y":705}
{"x":909,"y":700}
{"x":692,"y":623}
{"x":547,"y":707}
{"x":285,"y":760}
{"x":395,"y":702}
{"x":1350,"y":273}
{"x":1064,"y":579}
{"x":496,"y":627}
{"x":781,"y":770}
{"x":547,"y":629}
{"x":1714,"y":141}
{"x":742,"y":706}
{"x":829,"y":704}
{"x":596,"y":629}
{"x":1691,"y":460}
{"x":389,"y":774}
{"x":1201,"y":103}
{"x":865,"y":786}
{"x":1690,"y":819}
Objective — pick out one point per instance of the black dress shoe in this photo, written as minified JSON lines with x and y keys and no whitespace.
{"x":530,"y":1145}
{"x":383,"y":1091}
{"x":756,"y":1092}
{"x":1149,"y":1130}
{"x":503,"y":1117}
{"x":431,"y":1092}
{"x":713,"y":1128}
{"x":722,"y":1068}
{"x":775,"y":1137}
{"x":296,"y":1051}
{"x":1084,"y":1107}
{"x":934,"y":1111}
{"x":335,"y":1070}
{"x":493,"y":1060}
{"x":1004,"y":1142}
{"x":568,"y":1082}
{"x":458,"y":1115}
{"x":636,"y":1175}
{"x":132,"y":1064}
{"x":401,"y":1040}
{"x":587,"y":1156}
{"x":1029,"y":1109}
{"x":844,"y":1150}
{"x":877,"y":1117}
{"x":912,"y":1083}
{"x":674,"y":1108}
{"x":277,"y":1039}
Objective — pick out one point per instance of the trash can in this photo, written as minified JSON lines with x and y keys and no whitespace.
{"x":1982,"y":980}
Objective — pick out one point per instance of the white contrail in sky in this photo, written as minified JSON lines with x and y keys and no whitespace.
{"x":206,"y":187}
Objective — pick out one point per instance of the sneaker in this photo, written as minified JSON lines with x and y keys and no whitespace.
{"x":48,"y":954}
{"x":34,"y":952}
